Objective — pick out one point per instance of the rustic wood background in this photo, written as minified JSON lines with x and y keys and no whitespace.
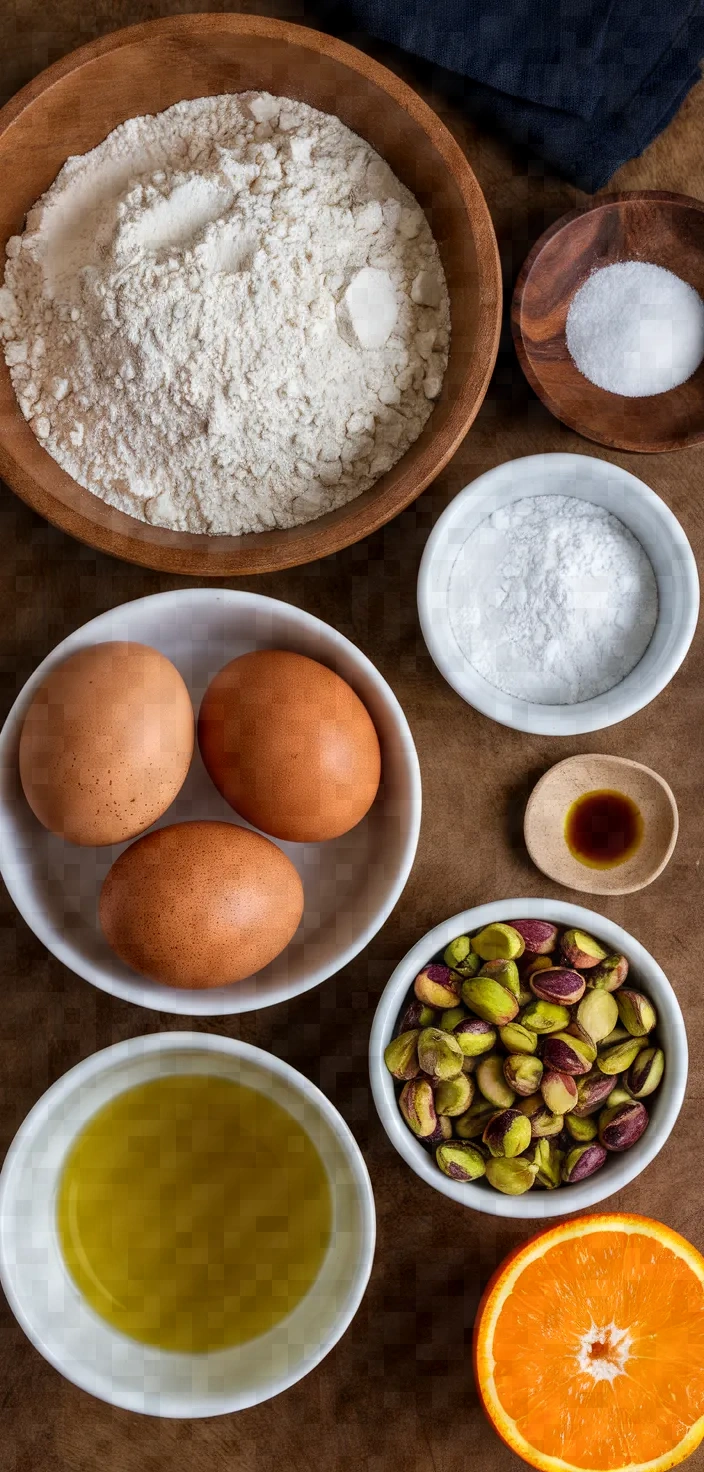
{"x":396,"y":1393}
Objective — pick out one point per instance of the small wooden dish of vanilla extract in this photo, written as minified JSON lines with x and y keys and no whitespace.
{"x":601,"y":824}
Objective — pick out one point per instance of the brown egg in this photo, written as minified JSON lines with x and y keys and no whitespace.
{"x":106,"y":743}
{"x":200,"y":904}
{"x":289,"y":745}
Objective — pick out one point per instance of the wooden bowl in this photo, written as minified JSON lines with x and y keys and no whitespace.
{"x":650,"y":225}
{"x":144,"y":69}
{"x":551,"y":799}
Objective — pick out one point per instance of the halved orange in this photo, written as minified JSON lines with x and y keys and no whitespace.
{"x":589,"y":1347}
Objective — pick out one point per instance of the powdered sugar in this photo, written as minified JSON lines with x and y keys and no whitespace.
{"x":227,"y":317}
{"x":553,"y":600}
{"x":636,"y":329}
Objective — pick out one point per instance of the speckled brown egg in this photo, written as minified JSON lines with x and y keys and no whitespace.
{"x":106,"y":743}
{"x":289,"y":745}
{"x":200,"y":904}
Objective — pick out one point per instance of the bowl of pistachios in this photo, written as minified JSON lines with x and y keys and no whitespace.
{"x":528,"y":1058}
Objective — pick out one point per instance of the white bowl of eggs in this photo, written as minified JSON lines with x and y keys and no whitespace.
{"x":216,"y":871}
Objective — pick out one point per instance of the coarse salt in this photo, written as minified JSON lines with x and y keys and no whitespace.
{"x":636,"y":329}
{"x":553,"y":600}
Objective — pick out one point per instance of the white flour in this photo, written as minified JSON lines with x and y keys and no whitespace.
{"x":553,"y":600}
{"x":227,"y":317}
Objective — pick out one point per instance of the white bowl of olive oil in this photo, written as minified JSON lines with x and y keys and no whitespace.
{"x":186,"y":1225}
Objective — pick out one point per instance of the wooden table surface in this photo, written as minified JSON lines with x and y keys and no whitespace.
{"x":396,"y":1393}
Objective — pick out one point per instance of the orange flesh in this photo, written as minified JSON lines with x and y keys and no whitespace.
{"x":595,"y":1357}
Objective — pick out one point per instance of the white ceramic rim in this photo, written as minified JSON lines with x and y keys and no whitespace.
{"x":621,"y":1169}
{"x":614,"y":705}
{"x":174,"y":1042}
{"x":214,"y":1004}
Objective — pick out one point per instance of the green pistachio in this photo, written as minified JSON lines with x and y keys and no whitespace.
{"x":558,"y":984}
{"x":454,"y":1095}
{"x":540,"y":936}
{"x":549,"y":1160}
{"x":543,"y":1123}
{"x":513,"y":1177}
{"x":417,"y":1014}
{"x":581,"y":1130}
{"x":523,"y":1073}
{"x":492,"y":1083}
{"x":439,"y":1054}
{"x":618,"y":1034}
{"x":581,"y":950}
{"x":588,"y":1046}
{"x":471,"y":1124}
{"x":518,"y":1039}
{"x":582,"y":1162}
{"x":645,"y":1072}
{"x":442,"y":1131}
{"x":636,"y":1012}
{"x":457,"y":951}
{"x":565,"y":1053}
{"x":609,"y":974}
{"x":559,"y":1091}
{"x":544,"y":1017}
{"x":474,"y":1037}
{"x":450,"y":1018}
{"x":401,"y":1055}
{"x":598,"y":1014}
{"x":498,"y":943}
{"x":418,"y":1106}
{"x":488,"y":999}
{"x":504,"y":971}
{"x":507,"y":1133}
{"x":622,"y":1126}
{"x":437,"y":986}
{"x":460,"y":1161}
{"x":465,"y":961}
{"x":618,"y":1096}
{"x":592,"y":1092}
{"x":620,"y":1057}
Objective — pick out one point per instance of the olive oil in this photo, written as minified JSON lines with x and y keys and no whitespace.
{"x":193,"y":1213}
{"x":603,"y":828}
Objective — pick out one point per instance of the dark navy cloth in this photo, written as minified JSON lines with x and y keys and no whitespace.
{"x":585,"y":84}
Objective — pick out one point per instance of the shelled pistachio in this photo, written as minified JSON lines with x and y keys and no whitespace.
{"x":513,"y":1177}
{"x":548,"y":1158}
{"x":439,"y":1055}
{"x":645,"y":1073}
{"x":490,"y":1000}
{"x":581,"y":1130}
{"x":460,"y":1161}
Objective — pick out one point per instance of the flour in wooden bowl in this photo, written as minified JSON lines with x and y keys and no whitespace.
{"x":227,"y":317}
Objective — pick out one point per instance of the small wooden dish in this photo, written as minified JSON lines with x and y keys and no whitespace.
{"x":551,"y":799}
{"x":650,"y":225}
{"x":144,"y":69}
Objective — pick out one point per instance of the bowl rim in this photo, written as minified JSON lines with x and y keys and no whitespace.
{"x":165,"y":1043}
{"x":604,"y":202}
{"x":614,"y":762}
{"x":545,"y":1204}
{"x":601,"y":711}
{"x":183,"y":1001}
{"x":159,"y":548}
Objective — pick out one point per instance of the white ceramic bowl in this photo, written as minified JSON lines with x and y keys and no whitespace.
{"x":663,"y":1107}
{"x":651,"y":522}
{"x":83,"y":1346}
{"x":351,"y":883}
